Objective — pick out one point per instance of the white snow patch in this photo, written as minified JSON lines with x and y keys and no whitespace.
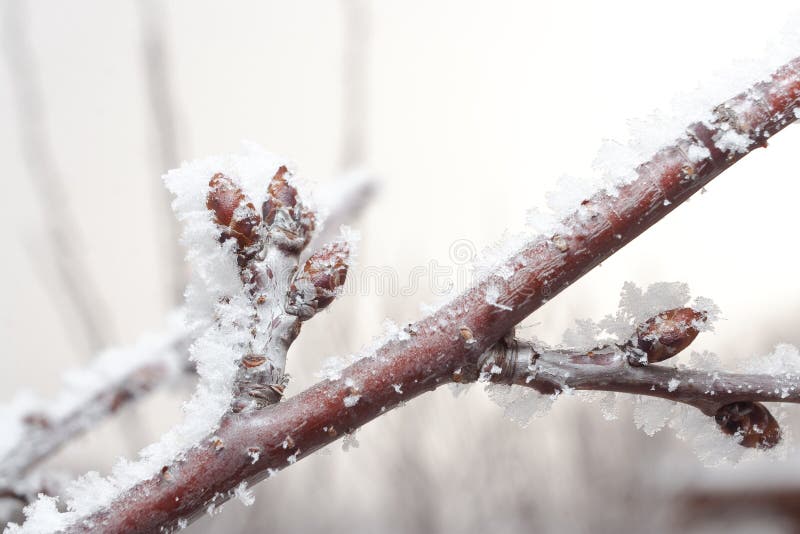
{"x":651,"y":414}
{"x":733,"y":141}
{"x":492,"y":294}
{"x":673,"y":384}
{"x":351,"y":400}
{"x":244,"y":494}
{"x":520,"y":404}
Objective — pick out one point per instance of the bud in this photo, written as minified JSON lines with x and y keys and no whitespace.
{"x":240,"y":218}
{"x":314,"y":288}
{"x":290,"y":223}
{"x":665,"y":335}
{"x":751,"y":423}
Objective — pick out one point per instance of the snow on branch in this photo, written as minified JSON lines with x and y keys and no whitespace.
{"x":214,"y":459}
{"x":36,"y":428}
{"x":734,"y":400}
{"x":246,"y":301}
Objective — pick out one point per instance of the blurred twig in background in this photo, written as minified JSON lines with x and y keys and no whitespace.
{"x":155,"y":55}
{"x":88,"y":311}
{"x":355,"y":76}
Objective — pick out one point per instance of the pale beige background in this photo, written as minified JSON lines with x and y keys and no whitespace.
{"x":474,"y":110}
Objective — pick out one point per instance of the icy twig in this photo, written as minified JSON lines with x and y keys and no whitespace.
{"x":732,"y":399}
{"x":34,"y":429}
{"x":434,"y":348}
{"x":41,"y":434}
{"x":268,"y":243}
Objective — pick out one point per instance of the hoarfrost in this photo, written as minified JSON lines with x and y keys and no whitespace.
{"x":608,"y":401}
{"x":783,"y":360}
{"x":650,"y":414}
{"x":215,"y":291}
{"x":520,"y":404}
{"x":731,"y":140}
{"x":636,"y":306}
{"x":41,"y":515}
{"x":333,"y":366}
{"x":492,"y":294}
{"x":351,"y":400}
{"x":673,"y":384}
{"x":704,"y":361}
{"x":349,"y":441}
{"x":244,"y":494}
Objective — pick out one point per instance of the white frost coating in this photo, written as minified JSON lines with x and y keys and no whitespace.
{"x":520,"y":404}
{"x":41,"y":515}
{"x":715,"y":448}
{"x":704,"y":361}
{"x":351,"y":400}
{"x":635,"y":307}
{"x":244,"y":494}
{"x":492,"y":294}
{"x":333,"y":366}
{"x":698,"y":153}
{"x":673,"y":384}
{"x":651,"y":414}
{"x":782,"y":361}
{"x":220,"y":344}
{"x":733,"y":141}
{"x":797,"y":113}
{"x":618,"y":159}
{"x":82,"y":384}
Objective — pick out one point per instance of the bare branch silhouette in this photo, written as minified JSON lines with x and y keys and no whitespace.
{"x":75,"y":281}
{"x":164,"y":119}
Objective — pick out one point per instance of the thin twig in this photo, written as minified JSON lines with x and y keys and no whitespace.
{"x":355,"y":78}
{"x":432,"y":350}
{"x":43,"y":434}
{"x":164,"y":119}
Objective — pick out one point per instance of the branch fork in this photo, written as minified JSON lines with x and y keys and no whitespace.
{"x":268,"y":244}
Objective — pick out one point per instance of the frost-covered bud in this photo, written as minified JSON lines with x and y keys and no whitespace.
{"x":751,"y":423}
{"x":317,"y":284}
{"x":665,"y":335}
{"x":239,"y":218}
{"x":289,"y":223}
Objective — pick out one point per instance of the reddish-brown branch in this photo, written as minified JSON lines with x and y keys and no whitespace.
{"x":453,"y":338}
{"x":607,"y":369}
{"x":45,"y":435}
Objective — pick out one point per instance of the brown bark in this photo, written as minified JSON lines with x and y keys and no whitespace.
{"x":454,"y":338}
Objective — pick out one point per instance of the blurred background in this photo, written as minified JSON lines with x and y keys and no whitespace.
{"x":468,"y":112}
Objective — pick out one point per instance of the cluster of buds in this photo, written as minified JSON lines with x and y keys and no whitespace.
{"x":268,"y":247}
{"x":315,"y":287}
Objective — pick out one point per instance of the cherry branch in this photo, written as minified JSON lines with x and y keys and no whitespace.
{"x":732,"y":399}
{"x":43,"y":434}
{"x":249,"y":447}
